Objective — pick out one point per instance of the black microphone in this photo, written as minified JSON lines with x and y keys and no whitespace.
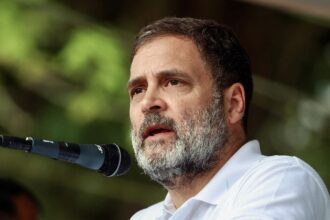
{"x":108,"y":159}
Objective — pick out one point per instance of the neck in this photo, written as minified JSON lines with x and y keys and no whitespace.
{"x":184,"y":190}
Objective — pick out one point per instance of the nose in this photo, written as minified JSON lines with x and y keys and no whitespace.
{"x":153,"y":102}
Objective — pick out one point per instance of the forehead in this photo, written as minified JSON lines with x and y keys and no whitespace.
{"x":168,"y":52}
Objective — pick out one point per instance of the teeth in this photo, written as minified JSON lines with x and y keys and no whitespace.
{"x":156,"y":131}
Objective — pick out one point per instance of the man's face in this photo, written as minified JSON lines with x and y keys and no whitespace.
{"x":177,"y":123}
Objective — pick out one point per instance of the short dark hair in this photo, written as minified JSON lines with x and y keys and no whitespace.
{"x":218,"y":46}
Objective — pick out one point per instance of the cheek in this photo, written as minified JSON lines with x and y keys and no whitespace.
{"x":130,"y":114}
{"x":182,"y":106}
{"x":188,"y":108}
{"x":134,"y":118}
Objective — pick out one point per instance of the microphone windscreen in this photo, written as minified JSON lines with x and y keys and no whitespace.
{"x":117,"y":161}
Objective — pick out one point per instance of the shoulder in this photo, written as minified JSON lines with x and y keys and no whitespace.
{"x":282,"y":186}
{"x":283,"y":168}
{"x":287,"y":173}
{"x":149,"y":213}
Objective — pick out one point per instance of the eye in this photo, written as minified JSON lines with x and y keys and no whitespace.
{"x":136,"y":91}
{"x":173,"y":82}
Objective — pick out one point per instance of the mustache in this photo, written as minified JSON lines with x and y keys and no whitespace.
{"x":156,"y":118}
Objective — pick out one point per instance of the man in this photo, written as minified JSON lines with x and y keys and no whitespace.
{"x":190,"y":87}
{"x":16,"y":202}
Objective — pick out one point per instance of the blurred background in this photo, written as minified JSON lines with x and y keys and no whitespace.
{"x":64,"y":65}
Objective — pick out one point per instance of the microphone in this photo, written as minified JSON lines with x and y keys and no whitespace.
{"x":108,"y":159}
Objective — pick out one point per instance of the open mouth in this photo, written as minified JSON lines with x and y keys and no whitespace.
{"x":155,"y":130}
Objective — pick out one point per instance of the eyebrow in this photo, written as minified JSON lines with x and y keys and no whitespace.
{"x":162,"y":74}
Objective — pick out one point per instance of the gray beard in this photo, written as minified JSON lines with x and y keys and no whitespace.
{"x":200,"y":136}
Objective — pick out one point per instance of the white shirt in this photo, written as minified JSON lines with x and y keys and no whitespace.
{"x":251,"y":186}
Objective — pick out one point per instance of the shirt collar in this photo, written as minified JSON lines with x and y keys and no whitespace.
{"x":168,"y":205}
{"x":233,"y":169}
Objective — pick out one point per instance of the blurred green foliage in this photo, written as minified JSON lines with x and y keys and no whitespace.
{"x":63,"y":77}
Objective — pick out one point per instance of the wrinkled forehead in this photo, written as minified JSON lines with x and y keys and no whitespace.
{"x":167,"y":52}
{"x":149,"y":36}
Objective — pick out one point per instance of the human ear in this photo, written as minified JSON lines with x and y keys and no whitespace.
{"x":234,"y":98}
